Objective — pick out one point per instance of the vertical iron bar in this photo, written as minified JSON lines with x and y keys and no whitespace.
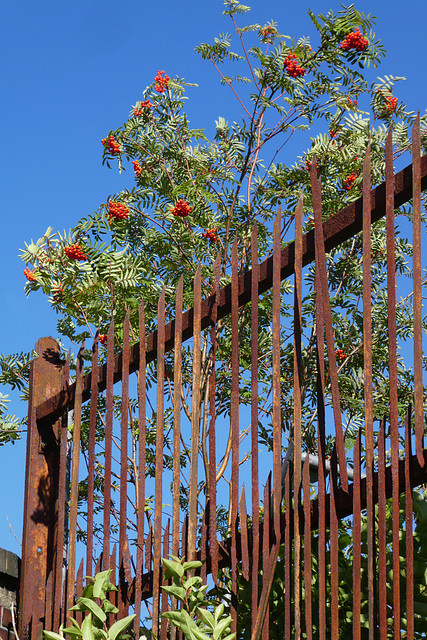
{"x":142,"y":401}
{"x":334,"y":548}
{"x":110,"y":561}
{"x":48,"y":605}
{"x":184,"y":538}
{"x":234,"y":417}
{"x":40,"y":502}
{"x":91,"y":455}
{"x":164,"y":624}
{"x":297,"y":414}
{"x":254,"y":423}
{"x":320,"y":392}
{"x":382,"y":534}
{"x":212,"y":435}
{"x":79,"y":589}
{"x":244,"y":534}
{"x":263,"y":619}
{"x":307,"y":550}
{"x":392,"y":365}
{"x":287,"y":559}
{"x":204,"y":544}
{"x":417,"y":269}
{"x":409,"y":540}
{"x":195,"y":419}
{"x":124,"y":465}
{"x":149,"y":550}
{"x":59,"y":588}
{"x":74,"y":491}
{"x":159,"y":460}
{"x":276,"y":412}
{"x":367,"y":357}
{"x":177,"y":388}
{"x":108,"y":446}
{"x":357,"y":538}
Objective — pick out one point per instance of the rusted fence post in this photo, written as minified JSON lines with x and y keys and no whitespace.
{"x":41,"y":490}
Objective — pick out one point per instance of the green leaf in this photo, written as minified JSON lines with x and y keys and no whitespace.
{"x":177,"y":592}
{"x":101,"y":583}
{"x":87,"y":628}
{"x":73,"y":631}
{"x":50,"y":635}
{"x":90,"y":605}
{"x":195,"y":564}
{"x":221,"y":626}
{"x":207,"y":617}
{"x":194,"y":581}
{"x":120,"y":626}
{"x":173,"y":569}
{"x":108,"y":607}
{"x":175,"y":616}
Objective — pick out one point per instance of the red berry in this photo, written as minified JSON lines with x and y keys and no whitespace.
{"x":354,"y":40}
{"x":112,"y":146}
{"x":181,"y":209}
{"x":293,"y":69}
{"x":348,"y":182}
{"x":29,"y":275}
{"x":75,"y":252}
{"x":161,"y":81}
{"x":117,"y":211}
{"x":211,"y":234}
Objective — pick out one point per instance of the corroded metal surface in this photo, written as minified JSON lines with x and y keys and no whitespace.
{"x":336,"y":230}
{"x":168,"y":451}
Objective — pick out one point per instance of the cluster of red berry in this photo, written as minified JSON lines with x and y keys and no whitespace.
{"x":352,"y":103}
{"x":211,"y":234}
{"x":137,"y":167}
{"x":75,"y":252}
{"x":354,"y":40}
{"x":181,"y":209}
{"x":308,"y":165}
{"x":333,"y":133}
{"x":268,"y":31}
{"x":340,"y":354}
{"x":161,"y":82}
{"x":117,"y":211}
{"x":112,"y":146}
{"x":390,"y":104}
{"x":102,"y":338}
{"x":311,"y":221}
{"x":146,"y":104}
{"x":293,"y":69}
{"x":348,"y":182}
{"x":29,"y":275}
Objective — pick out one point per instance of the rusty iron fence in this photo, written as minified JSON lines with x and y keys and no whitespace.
{"x":272,"y":534}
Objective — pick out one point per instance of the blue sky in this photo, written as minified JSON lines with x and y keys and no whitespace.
{"x":70,"y":73}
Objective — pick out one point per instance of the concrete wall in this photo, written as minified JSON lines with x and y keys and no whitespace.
{"x":9,"y":592}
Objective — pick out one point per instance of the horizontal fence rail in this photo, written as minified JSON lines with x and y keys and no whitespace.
{"x":215,"y":450}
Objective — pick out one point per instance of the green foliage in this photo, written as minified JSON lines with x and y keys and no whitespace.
{"x":97,"y":608}
{"x":230,"y":181}
{"x":345,"y":580}
{"x":193,"y":616}
{"x":197,"y":617}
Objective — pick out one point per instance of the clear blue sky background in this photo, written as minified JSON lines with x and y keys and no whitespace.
{"x":70,"y":73}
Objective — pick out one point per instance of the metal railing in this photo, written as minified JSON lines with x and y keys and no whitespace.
{"x":130,"y":523}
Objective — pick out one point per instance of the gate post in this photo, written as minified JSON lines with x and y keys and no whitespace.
{"x":41,"y":490}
